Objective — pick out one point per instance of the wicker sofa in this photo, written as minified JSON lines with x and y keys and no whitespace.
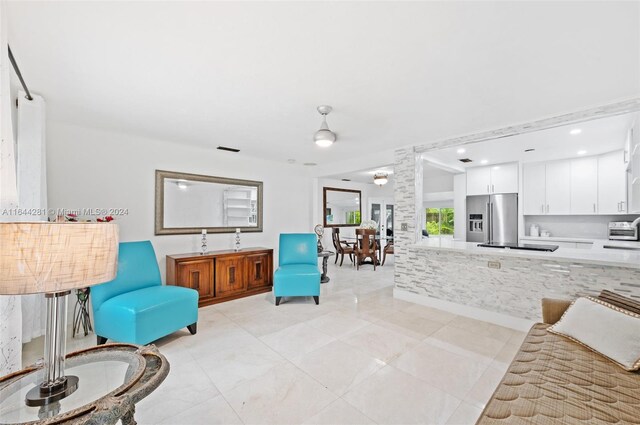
{"x":553,"y":380}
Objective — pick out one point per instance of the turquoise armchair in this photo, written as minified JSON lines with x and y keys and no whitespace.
{"x":136,"y":307}
{"x":297,"y":274}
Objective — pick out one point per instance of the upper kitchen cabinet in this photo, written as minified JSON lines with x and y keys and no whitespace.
{"x":579,"y":186}
{"x":504,"y":178}
{"x":612,"y":183}
{"x":547,"y":188}
{"x":584,"y":183}
{"x":478,"y":181}
{"x":501,"y":178}
{"x":534,"y":188}
{"x":558,"y":187}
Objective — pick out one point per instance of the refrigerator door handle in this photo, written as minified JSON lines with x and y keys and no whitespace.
{"x":491,"y":223}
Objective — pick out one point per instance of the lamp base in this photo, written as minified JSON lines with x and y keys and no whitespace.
{"x":43,"y":395}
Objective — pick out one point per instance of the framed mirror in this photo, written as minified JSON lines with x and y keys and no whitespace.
{"x":342,"y":207}
{"x":187,"y":203}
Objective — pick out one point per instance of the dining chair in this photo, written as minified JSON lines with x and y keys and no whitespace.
{"x":366,"y":247}
{"x":388,"y":249}
{"x":342,"y":247}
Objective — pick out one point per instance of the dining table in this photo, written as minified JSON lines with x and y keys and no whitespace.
{"x":378,"y":238}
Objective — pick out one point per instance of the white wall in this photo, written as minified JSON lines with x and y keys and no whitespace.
{"x":90,"y":168}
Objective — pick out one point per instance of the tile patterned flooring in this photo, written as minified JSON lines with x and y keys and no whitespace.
{"x":360,"y":357}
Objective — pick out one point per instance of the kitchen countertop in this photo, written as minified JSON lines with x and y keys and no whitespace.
{"x":595,"y":255}
{"x":596,"y":242}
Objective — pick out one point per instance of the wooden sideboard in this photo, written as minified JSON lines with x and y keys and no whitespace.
{"x":222,"y":275}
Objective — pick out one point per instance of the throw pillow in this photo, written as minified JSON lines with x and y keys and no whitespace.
{"x":603,"y":328}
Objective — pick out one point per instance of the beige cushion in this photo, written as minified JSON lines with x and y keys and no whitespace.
{"x":604,"y":328}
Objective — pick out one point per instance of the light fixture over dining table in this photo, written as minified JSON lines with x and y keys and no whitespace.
{"x":380,"y":178}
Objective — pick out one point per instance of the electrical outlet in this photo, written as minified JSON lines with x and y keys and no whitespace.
{"x":404,"y":227}
{"x":494,"y":264}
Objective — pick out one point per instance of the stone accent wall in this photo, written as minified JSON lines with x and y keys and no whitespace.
{"x":463,"y":278}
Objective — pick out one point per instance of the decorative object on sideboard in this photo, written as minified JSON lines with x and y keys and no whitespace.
{"x":380,"y":178}
{"x":237,"y":244}
{"x":81,"y":317}
{"x":319,"y":230}
{"x":53,"y":258}
{"x":324,"y":137}
{"x":203,"y":242}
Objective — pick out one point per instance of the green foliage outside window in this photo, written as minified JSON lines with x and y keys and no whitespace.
{"x":439,"y":221}
{"x":353,"y":217}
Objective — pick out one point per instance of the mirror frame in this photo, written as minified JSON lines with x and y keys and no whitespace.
{"x":324,"y":206}
{"x":160,"y":229}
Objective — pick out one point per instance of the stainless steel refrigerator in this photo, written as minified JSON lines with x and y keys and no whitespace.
{"x":492,"y":218}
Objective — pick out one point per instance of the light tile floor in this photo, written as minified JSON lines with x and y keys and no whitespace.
{"x":360,"y":357}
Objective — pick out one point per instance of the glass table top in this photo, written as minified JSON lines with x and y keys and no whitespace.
{"x":98,"y":376}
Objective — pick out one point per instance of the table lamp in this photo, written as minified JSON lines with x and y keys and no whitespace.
{"x":54,"y":258}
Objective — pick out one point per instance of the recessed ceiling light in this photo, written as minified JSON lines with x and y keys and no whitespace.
{"x":575,"y":131}
{"x":461,"y":150}
{"x":582,"y":152}
{"x":484,"y":161}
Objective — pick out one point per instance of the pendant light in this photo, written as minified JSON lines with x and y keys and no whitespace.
{"x":324,"y":137}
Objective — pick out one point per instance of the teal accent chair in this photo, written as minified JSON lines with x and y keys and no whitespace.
{"x":297,"y":274}
{"x":136,"y":307}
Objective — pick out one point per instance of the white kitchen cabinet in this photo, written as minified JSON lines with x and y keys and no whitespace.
{"x":612,"y":183}
{"x":584,"y":185}
{"x":478,"y":181}
{"x":534,"y":183}
{"x":504,"y":178}
{"x":558,"y":187}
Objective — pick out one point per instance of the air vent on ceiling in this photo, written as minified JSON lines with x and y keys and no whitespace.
{"x":224,"y":148}
{"x":346,"y":180}
{"x":465,"y":160}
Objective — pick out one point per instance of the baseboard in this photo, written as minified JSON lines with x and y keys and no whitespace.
{"x":500,"y":319}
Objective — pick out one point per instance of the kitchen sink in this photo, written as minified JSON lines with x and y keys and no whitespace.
{"x":628,"y":248}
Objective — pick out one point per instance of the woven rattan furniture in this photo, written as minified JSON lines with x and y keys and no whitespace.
{"x":553,"y":380}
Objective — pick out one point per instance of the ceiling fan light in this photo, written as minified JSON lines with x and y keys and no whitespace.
{"x":324,"y":138}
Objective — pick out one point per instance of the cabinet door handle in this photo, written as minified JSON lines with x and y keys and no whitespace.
{"x":618,"y":206}
{"x":488,"y":189}
{"x":547,"y":208}
{"x":493,"y":189}
{"x":542,"y":208}
{"x":622,"y":203}
{"x":594,"y":207}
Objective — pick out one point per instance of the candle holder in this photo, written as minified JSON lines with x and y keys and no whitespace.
{"x":204,"y":243}
{"x":237,"y":245}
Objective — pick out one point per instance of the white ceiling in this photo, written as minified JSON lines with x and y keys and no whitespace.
{"x":250,"y":75}
{"x":596,"y":137}
{"x":366,"y":176}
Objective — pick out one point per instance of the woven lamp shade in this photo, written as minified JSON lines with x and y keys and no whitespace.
{"x":38,"y":257}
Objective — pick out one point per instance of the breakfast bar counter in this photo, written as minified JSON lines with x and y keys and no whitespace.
{"x":619,"y":255}
{"x":505,"y":286}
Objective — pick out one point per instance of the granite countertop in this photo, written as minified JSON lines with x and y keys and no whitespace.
{"x":595,"y":255}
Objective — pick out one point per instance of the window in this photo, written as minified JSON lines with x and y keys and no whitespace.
{"x":439,"y":221}
{"x":353,"y":217}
